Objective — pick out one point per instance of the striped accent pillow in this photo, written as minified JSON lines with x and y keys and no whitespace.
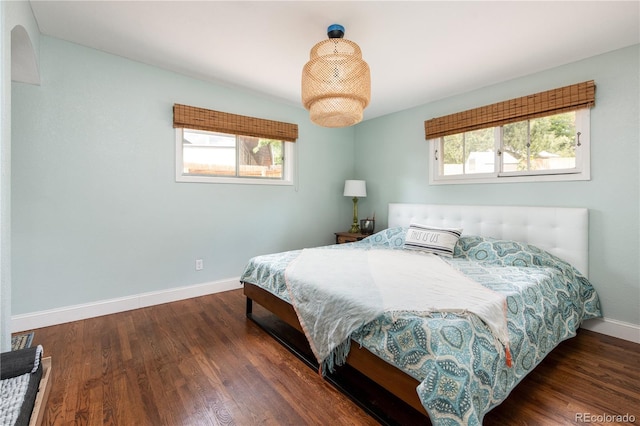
{"x":431,"y":239}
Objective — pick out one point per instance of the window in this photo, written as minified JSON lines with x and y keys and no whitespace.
{"x":496,"y":144}
{"x":218,"y":147}
{"x":203,"y":156}
{"x":548,"y":146}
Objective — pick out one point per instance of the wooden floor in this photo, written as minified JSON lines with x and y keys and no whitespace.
{"x":201,"y":362}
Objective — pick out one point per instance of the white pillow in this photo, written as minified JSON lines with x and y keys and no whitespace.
{"x":431,"y":239}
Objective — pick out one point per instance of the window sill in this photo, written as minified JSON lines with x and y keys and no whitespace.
{"x":233,"y":180}
{"x":511,"y":179}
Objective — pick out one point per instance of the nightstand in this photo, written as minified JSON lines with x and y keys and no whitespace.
{"x":348,"y":237}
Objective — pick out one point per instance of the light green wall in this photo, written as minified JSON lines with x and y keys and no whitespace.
{"x":392,"y":157}
{"x":96,"y":211}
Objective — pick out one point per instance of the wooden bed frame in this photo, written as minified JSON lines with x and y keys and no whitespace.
{"x":384,"y":374}
{"x":561,"y":231}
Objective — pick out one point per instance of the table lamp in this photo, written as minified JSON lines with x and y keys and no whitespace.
{"x":355,"y":189}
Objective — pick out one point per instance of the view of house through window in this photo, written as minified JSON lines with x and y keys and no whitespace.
{"x":212,"y":154}
{"x":469,"y":152}
{"x":545,"y":145}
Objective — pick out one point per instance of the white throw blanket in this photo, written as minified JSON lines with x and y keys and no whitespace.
{"x":336,"y":291}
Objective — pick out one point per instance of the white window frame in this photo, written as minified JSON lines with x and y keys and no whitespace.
{"x":582,"y":171}
{"x":289,"y":166}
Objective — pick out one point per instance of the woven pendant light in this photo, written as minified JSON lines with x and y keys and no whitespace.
{"x":336,"y":83}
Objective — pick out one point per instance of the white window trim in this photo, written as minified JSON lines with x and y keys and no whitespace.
{"x":287,"y":179}
{"x":581,"y":172}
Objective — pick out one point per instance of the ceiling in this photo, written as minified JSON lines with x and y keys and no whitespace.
{"x":418,"y":51}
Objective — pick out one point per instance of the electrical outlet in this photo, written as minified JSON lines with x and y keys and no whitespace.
{"x":199,"y":265}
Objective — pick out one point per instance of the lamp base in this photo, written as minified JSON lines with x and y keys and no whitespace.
{"x":355,"y":228}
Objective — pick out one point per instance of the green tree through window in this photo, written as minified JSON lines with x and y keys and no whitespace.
{"x":536,"y":145}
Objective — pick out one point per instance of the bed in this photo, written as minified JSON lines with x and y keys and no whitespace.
{"x":453,"y":365}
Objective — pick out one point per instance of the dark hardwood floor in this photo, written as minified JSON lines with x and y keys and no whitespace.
{"x":201,"y":362}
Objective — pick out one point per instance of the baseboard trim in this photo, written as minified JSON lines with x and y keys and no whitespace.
{"x":24,"y":322}
{"x":611,"y":327}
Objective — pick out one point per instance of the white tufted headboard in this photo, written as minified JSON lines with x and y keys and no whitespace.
{"x":561,"y":231}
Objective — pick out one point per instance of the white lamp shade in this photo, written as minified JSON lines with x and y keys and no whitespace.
{"x":355,"y":188}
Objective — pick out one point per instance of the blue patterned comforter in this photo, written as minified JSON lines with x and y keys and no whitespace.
{"x":460,"y":365}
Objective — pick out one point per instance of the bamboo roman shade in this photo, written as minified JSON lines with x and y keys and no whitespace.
{"x":556,"y":101}
{"x":215,"y":121}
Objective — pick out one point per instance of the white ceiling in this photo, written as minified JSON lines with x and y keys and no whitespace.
{"x":418,"y":51}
